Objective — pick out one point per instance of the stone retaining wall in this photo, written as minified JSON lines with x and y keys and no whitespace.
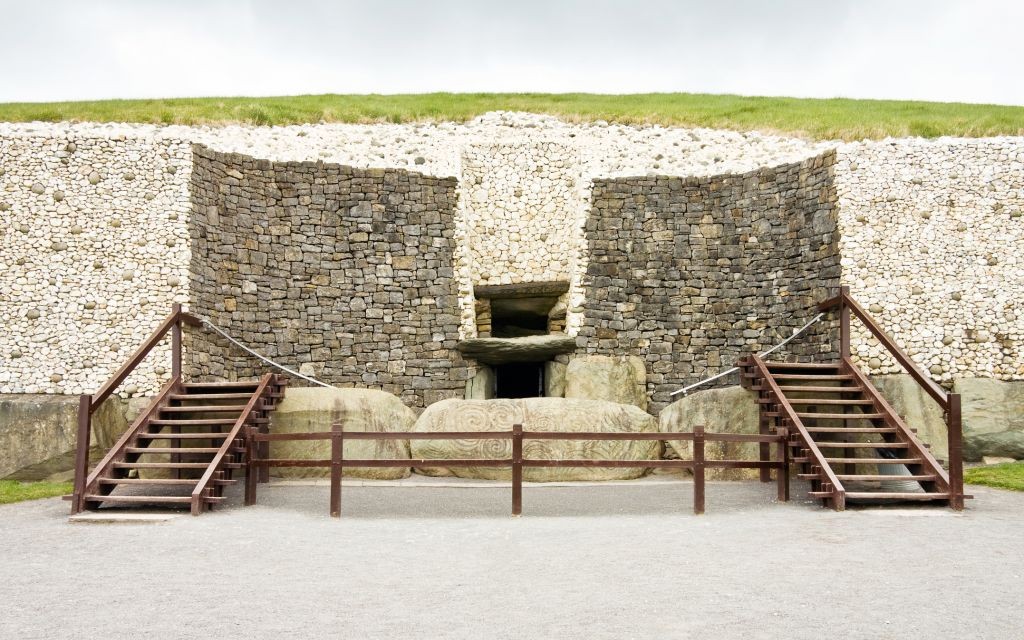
{"x":693,"y":273}
{"x":344,"y":274}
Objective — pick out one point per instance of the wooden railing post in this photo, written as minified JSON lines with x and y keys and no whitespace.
{"x":82,"y":452}
{"x":176,"y":341}
{"x":844,"y":323}
{"x":250,"y":468}
{"x":337,"y":455}
{"x":698,"y":469}
{"x":517,"y":469}
{"x":176,"y":373}
{"x":782,"y":473}
{"x":954,"y":435}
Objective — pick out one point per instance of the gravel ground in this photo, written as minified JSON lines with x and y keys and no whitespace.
{"x":583,"y":562}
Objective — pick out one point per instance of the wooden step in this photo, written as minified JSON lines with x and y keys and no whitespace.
{"x":141,"y":450}
{"x":195,"y":423}
{"x":802,"y":365}
{"x":840,"y":416}
{"x":161,"y":465}
{"x":831,"y":401}
{"x":815,"y":389}
{"x":830,"y":444}
{"x":810,"y":476}
{"x":211,"y":408}
{"x":874,"y":460}
{"x":94,"y":497}
{"x":821,"y":494}
{"x":175,"y":465}
{"x":874,"y":476}
{"x":881,"y":495}
{"x":851,"y":429}
{"x":201,"y":386}
{"x":162,"y":481}
{"x":211,"y":396}
{"x":183,"y":436}
{"x":811,"y":376}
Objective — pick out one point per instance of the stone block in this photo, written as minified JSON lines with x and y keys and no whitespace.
{"x":537,"y":414}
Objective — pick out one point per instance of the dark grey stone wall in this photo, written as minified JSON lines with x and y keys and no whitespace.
{"x":693,"y":273}
{"x":340,"y":273}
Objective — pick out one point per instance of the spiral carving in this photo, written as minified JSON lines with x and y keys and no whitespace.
{"x":537,"y":414}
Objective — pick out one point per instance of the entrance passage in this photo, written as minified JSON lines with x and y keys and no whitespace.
{"x":519,"y":380}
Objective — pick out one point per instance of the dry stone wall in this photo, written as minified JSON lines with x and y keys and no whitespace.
{"x":344,"y":274}
{"x":932,"y":239}
{"x":693,"y":273}
{"x":93,"y":252}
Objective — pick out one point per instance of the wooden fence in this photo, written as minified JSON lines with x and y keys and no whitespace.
{"x":337,"y":435}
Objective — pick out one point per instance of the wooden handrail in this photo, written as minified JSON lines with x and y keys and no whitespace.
{"x":229,"y":442}
{"x":915,"y":443}
{"x":140,"y":354}
{"x":950,"y":402}
{"x":90,"y":403}
{"x":922,"y":379}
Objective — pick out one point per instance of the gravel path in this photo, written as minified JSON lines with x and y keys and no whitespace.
{"x":583,"y":562}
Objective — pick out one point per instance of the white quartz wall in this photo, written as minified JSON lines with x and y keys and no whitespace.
{"x":93,"y":252}
{"x":932,"y":243}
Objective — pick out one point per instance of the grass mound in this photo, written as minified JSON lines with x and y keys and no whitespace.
{"x":837,"y":118}
{"x":14,"y":491}
{"x":1009,"y":475}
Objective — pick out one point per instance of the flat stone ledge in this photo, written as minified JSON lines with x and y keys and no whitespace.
{"x":524,"y":349}
{"x":521,"y":289}
{"x":125,"y":517}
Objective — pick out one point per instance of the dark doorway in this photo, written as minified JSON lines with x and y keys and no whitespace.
{"x":519,"y":380}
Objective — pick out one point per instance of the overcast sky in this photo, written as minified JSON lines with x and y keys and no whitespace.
{"x":971,"y":50}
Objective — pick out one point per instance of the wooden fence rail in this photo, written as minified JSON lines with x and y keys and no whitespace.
{"x":337,"y":435}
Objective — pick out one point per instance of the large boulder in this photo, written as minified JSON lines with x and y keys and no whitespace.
{"x":993,"y":417}
{"x":38,"y":432}
{"x":537,"y":414}
{"x":621,"y":379}
{"x":316,"y":408}
{"x":918,"y":409}
{"x":725,"y":410}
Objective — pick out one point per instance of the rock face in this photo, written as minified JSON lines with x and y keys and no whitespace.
{"x":316,"y":408}
{"x":917,"y":408}
{"x":481,"y":385}
{"x":615,"y":379}
{"x":993,"y":416}
{"x":725,"y":410}
{"x":522,"y":349}
{"x":40,"y":430}
{"x":536,"y":414}
{"x":554,"y":379}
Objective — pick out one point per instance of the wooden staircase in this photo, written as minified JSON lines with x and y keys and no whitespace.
{"x":183,"y":450}
{"x":185,"y":447}
{"x":847,"y":439}
{"x":841,"y":430}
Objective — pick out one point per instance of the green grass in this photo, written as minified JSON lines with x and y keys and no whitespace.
{"x":1002,"y":476}
{"x":14,"y":491}
{"x":812,"y":118}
